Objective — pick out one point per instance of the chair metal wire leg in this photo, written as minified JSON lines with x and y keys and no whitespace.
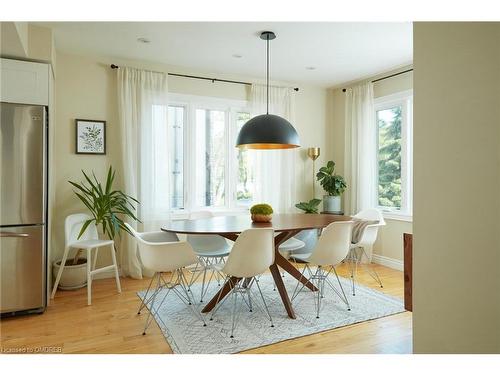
{"x":295,"y":292}
{"x":318,"y":292}
{"x":219,"y":302}
{"x":235,"y":316}
{"x":193,"y":273}
{"x":264,"y":302}
{"x":203,"y":281}
{"x":146,"y":298}
{"x":370,"y":269}
{"x":148,"y":319}
{"x":355,"y":261}
{"x":346,"y":301}
{"x":190,"y":297}
{"x":249,"y":295}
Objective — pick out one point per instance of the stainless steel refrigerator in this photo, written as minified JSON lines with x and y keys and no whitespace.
{"x":23,"y":212}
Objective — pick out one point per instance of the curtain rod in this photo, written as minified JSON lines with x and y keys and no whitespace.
{"x":389,"y":76}
{"x":113,"y":66}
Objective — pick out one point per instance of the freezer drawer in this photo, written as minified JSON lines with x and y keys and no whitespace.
{"x":22,"y":177}
{"x":22,"y":263}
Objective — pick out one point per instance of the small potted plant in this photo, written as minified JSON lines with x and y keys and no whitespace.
{"x":261,"y":213}
{"x":334,"y":185}
{"x":108,"y":207}
{"x":310,"y":207}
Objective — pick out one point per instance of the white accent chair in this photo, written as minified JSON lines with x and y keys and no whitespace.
{"x":89,"y":241}
{"x":365,"y":245}
{"x":252,"y":255}
{"x":161,"y":257}
{"x":211,"y":250}
{"x":331,"y":249}
{"x":153,"y":237}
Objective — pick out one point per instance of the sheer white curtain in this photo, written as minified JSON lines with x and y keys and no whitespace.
{"x":143,"y":114}
{"x":275,"y":169}
{"x":360,"y":148}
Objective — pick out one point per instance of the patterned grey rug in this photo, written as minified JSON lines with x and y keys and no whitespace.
{"x":186,"y":334}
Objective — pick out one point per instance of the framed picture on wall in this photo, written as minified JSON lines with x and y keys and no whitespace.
{"x":90,"y":137}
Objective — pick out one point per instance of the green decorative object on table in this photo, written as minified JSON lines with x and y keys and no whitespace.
{"x":261,"y":213}
{"x":310,"y":207}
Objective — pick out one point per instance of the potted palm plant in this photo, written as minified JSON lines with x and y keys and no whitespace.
{"x":108,"y":207}
{"x":334,"y":185}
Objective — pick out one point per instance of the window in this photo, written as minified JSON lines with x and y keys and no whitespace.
{"x":210,"y":158}
{"x":176,"y":116}
{"x":207,"y":170}
{"x":246,"y":168}
{"x":393,"y":115}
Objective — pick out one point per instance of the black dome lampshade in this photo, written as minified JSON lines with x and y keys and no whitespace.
{"x":267,"y":132}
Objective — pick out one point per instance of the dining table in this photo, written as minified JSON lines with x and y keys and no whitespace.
{"x":285,"y":226}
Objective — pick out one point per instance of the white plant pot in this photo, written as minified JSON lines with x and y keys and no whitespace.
{"x":73,"y":277}
{"x":332,"y":203}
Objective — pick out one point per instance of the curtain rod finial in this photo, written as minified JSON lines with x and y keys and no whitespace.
{"x":113,"y":66}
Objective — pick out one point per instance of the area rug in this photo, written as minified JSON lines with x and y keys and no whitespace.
{"x":187,"y":335}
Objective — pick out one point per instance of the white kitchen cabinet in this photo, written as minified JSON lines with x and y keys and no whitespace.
{"x":24,"y":82}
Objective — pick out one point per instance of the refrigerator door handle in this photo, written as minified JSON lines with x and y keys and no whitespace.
{"x":12,"y":234}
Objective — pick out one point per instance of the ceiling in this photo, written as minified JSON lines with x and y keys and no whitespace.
{"x":339,"y":51}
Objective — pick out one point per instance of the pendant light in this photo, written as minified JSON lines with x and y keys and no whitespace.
{"x":267,"y":131}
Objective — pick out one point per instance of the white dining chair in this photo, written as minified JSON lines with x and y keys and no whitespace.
{"x":291,"y":245}
{"x":211,"y":250}
{"x":252,"y":255}
{"x":88,"y":241}
{"x":163,"y":257}
{"x":153,"y":237}
{"x":358,"y":251}
{"x":331,"y":249}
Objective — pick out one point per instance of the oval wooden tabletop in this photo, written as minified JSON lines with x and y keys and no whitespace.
{"x":237,"y":224}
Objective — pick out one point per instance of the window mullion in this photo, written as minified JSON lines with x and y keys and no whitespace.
{"x":190,"y":188}
{"x":404,"y":158}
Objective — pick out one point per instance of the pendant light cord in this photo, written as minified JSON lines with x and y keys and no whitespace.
{"x":267,"y":80}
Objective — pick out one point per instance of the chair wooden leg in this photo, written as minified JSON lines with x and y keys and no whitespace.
{"x":117,"y":276}
{"x":89,"y":277}
{"x":95,"y":258}
{"x":59,"y":273}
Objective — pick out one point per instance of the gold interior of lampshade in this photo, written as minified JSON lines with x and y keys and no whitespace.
{"x":266,"y":146}
{"x":313,"y":152}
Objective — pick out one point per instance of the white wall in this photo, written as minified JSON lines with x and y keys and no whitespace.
{"x":86,"y":88}
{"x":456,"y":248}
{"x":390,"y":239}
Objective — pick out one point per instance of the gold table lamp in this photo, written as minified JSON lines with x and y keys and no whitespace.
{"x":313,"y":154}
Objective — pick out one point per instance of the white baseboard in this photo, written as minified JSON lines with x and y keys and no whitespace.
{"x":388,"y":262}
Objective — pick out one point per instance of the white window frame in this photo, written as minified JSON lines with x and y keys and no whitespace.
{"x":230,"y":106}
{"x":405,"y":100}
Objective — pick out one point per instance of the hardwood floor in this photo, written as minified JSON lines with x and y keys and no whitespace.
{"x":111,"y":325}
